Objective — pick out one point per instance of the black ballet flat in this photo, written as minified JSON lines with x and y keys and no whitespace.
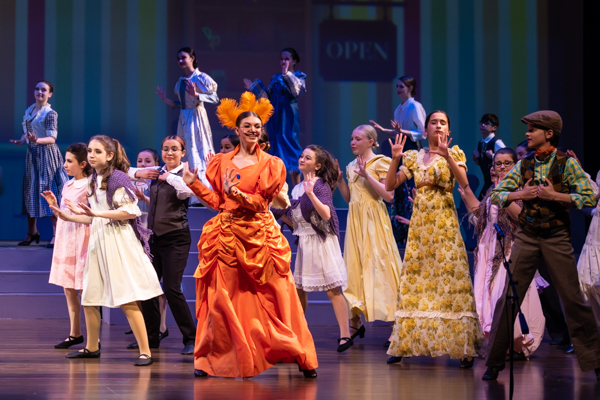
{"x":491,"y":374}
{"x":309,"y":373}
{"x":129,"y":332}
{"x":84,"y":354}
{"x":198,"y":373}
{"x":465,"y":363}
{"x":133,"y":346}
{"x":360,"y":332}
{"x":387,"y":344}
{"x":143,"y":361}
{"x":570,"y":350}
{"x":394,"y":360}
{"x":31,"y":237}
{"x":162,"y":335}
{"x":345,"y":346}
{"x":71,"y":340}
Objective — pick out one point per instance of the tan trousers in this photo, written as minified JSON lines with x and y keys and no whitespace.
{"x":560,"y":260}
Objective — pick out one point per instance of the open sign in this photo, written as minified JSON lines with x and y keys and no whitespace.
{"x":357,"y":50}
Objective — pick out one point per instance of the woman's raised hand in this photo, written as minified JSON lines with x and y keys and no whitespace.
{"x":309,"y":183}
{"x":376,"y":125}
{"x":189,"y":176}
{"x":361,"y":166}
{"x":74,"y":208}
{"x":87,"y":210}
{"x":139,"y":193}
{"x":398,"y":146}
{"x":19,"y":142}
{"x":31,"y":136}
{"x":50,"y":198}
{"x":228,"y":178}
{"x":285,"y":67}
{"x":247,"y":83}
{"x":209,"y":157}
{"x":160,"y":92}
{"x":396,"y":126}
{"x":443,"y":146}
{"x":190,"y":88}
{"x":59,"y":213}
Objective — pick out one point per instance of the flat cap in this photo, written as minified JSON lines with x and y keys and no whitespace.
{"x":545,"y":119}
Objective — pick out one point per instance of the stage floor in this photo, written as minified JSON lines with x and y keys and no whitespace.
{"x":31,"y":368}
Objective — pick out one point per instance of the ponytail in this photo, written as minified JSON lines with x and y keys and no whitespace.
{"x":119,"y":161}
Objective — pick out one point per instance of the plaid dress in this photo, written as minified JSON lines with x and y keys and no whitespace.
{"x":43,"y":164}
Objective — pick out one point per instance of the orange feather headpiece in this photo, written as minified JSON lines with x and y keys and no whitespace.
{"x":229,"y":109}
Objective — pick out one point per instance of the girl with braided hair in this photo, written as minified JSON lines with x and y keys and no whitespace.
{"x":118,"y":271}
{"x":319,"y":262}
{"x":490,"y":274}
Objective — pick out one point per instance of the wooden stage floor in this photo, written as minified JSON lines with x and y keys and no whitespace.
{"x":31,"y":368}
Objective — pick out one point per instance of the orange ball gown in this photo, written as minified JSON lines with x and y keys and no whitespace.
{"x":249,"y":314}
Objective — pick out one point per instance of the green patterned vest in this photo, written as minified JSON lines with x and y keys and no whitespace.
{"x":540,"y":216}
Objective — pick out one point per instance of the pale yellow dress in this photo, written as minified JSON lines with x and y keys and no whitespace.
{"x":436,"y":313}
{"x":370,"y":251}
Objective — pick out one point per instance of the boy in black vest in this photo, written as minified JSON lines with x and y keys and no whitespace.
{"x":486,"y":148}
{"x":550,"y":183}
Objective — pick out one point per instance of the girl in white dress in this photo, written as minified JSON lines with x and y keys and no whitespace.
{"x":319,"y":263}
{"x":118,"y":271}
{"x":193,"y":90}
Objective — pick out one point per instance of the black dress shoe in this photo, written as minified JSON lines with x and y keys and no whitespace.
{"x":570,"y":350}
{"x":309,"y":373}
{"x":84,"y":354}
{"x":71,"y":340}
{"x":143,"y":361}
{"x":465,"y":363}
{"x":516,"y":357}
{"x":491,"y":374}
{"x":30,"y":238}
{"x":394,"y":360}
{"x":198,"y":373}
{"x":359,"y":332}
{"x":162,"y":335}
{"x":346,"y":345}
{"x":188,"y":350}
{"x":560,"y":342}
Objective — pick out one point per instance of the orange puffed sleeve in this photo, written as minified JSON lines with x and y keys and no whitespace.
{"x":213,"y":174}
{"x":270,"y":181}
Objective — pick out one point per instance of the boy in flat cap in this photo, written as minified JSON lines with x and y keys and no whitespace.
{"x":548,"y":183}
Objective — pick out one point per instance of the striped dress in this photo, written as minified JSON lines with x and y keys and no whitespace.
{"x":43,"y":164}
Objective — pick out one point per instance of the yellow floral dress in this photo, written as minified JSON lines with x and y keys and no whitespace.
{"x":436,"y":314}
{"x":370,"y":251}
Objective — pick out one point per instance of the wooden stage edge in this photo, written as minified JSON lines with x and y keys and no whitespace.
{"x":31,"y":368}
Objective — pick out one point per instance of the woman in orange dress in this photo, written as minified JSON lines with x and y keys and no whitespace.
{"x":249,"y":314}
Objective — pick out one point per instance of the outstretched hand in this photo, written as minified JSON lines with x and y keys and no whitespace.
{"x":309,"y":183}
{"x":443,"y":146}
{"x":74,"y":208}
{"x":87,"y":210}
{"x":228,"y":180}
{"x":398,"y":146}
{"x":189,"y":176}
{"x":340,"y":172}
{"x":209,"y":157}
{"x":19,"y":142}
{"x":247,"y":83}
{"x":50,"y":198}
{"x":396,"y":126}
{"x":147,"y":173}
{"x":190,"y":88}
{"x":60,"y":213}
{"x":376,"y":125}
{"x":361,"y":166}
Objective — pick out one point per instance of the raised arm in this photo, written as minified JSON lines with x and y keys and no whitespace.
{"x":458,"y":170}
{"x":190,"y":177}
{"x":341,"y":184}
{"x":295,"y":83}
{"x":395,"y":177}
{"x":322,"y":209}
{"x":160,"y":92}
{"x":377,"y":186}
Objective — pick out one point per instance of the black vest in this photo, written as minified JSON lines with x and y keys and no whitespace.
{"x":167,"y":213}
{"x":485,"y":163}
{"x":540,"y":216}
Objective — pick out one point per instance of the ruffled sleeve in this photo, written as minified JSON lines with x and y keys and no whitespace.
{"x":270,"y":181}
{"x":459,"y":156}
{"x":123,"y":202}
{"x":213,"y":174}
{"x":409,"y":163}
{"x":381,"y":167}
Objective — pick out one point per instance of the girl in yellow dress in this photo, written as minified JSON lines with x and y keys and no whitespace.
{"x":436,"y":313}
{"x":370,"y":251}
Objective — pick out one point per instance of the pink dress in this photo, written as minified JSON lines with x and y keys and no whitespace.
{"x":487,"y":293}
{"x":71,"y":242}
